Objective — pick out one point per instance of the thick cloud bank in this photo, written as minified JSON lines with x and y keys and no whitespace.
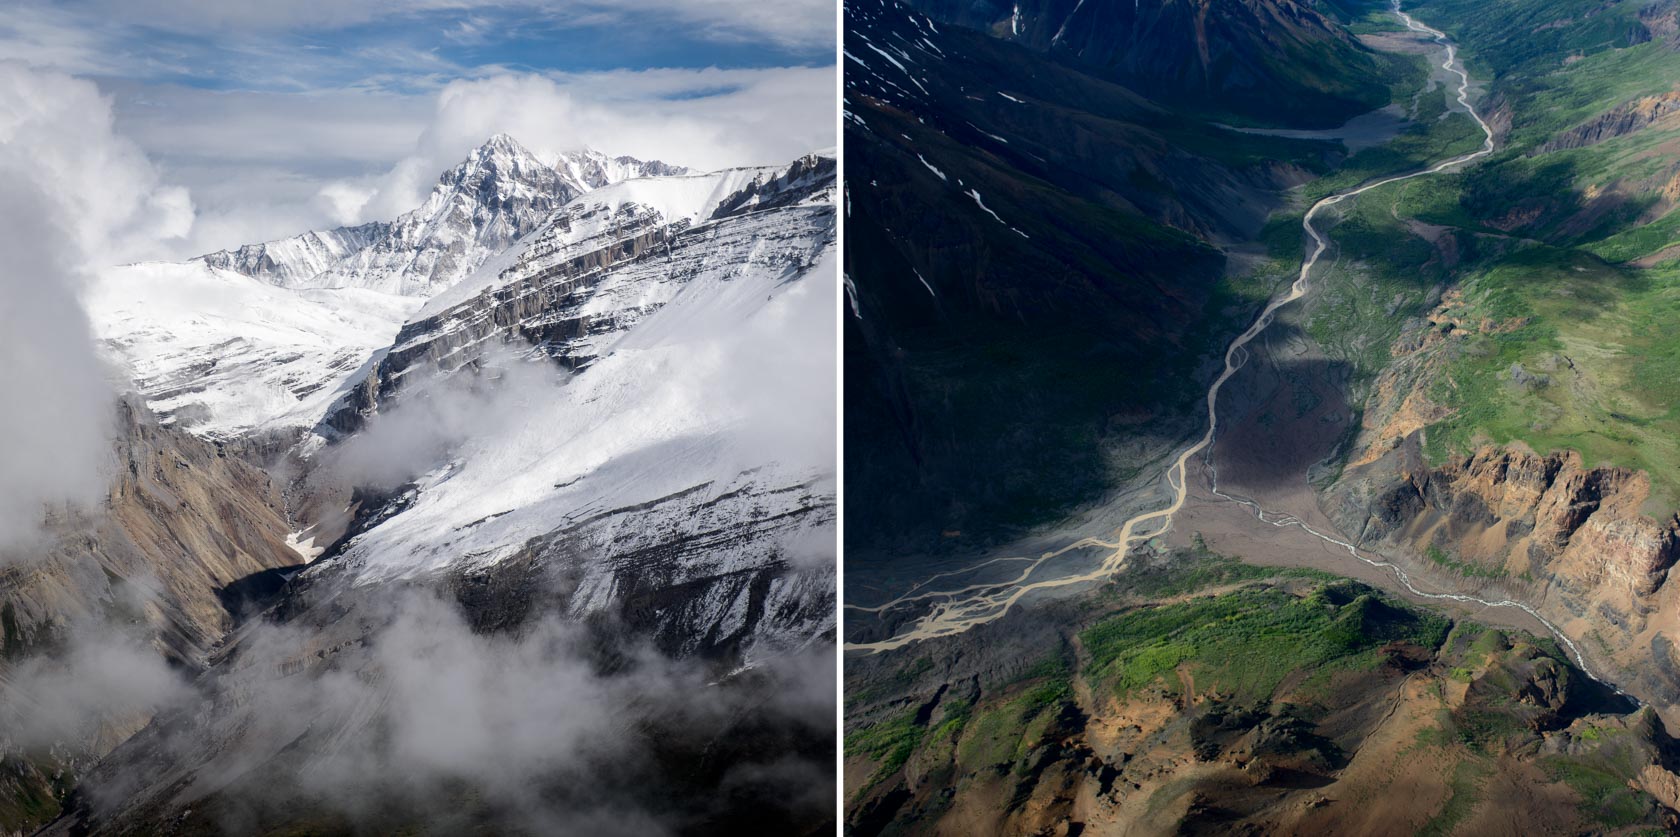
{"x":76,"y":196}
{"x":99,"y":685}
{"x":552,"y":728}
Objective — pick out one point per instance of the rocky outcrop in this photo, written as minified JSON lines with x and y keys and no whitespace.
{"x":1518,"y":512}
{"x":593,"y":271}
{"x":1662,"y":22}
{"x":1574,"y":542}
{"x":185,"y":533}
{"x":184,"y":521}
{"x":1620,"y":121}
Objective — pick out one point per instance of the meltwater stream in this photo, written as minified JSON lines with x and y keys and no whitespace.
{"x":956,"y":610}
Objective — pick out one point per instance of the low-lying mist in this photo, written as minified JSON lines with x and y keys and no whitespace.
{"x":396,"y":712}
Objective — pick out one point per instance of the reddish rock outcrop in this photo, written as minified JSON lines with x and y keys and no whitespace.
{"x":1619,"y":121}
{"x":1574,"y":543}
{"x":1528,"y":514}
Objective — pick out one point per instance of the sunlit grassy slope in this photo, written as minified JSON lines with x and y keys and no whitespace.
{"x":1563,"y":249}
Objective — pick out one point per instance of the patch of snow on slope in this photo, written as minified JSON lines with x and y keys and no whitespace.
{"x":602,"y":212}
{"x":221,"y":353}
{"x":691,"y":197}
{"x":925,"y":284}
{"x":702,"y":391}
{"x":304,"y":546}
{"x":982,"y":204}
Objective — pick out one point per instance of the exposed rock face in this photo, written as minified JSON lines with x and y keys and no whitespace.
{"x":187,"y":532}
{"x":184,"y":521}
{"x":1534,"y":513}
{"x":1662,"y":784}
{"x":1662,"y":21}
{"x":499,"y":193}
{"x":1571,"y":541}
{"x":1620,"y":121}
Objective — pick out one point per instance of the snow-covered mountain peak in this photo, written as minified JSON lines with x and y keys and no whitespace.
{"x":497,"y":194}
{"x":500,"y":191}
{"x":632,"y":213}
{"x":502,"y":142}
{"x":501,"y":160}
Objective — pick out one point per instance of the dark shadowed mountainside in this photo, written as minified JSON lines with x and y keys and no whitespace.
{"x":1270,"y":61}
{"x":1033,"y":269}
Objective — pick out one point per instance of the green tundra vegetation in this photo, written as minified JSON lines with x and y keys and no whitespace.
{"x":1563,"y":243}
{"x":1291,"y":645}
{"x":1246,"y":642}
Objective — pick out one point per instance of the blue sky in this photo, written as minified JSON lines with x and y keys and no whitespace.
{"x":284,"y":115}
{"x":419,"y":48}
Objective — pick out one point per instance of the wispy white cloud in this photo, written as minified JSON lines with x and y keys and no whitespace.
{"x":792,"y":23}
{"x":282,"y":117}
{"x":77,"y":196}
{"x":702,"y":118}
{"x":471,"y":30}
{"x":266,"y":165}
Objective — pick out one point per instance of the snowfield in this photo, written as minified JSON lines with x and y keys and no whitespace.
{"x":222,"y":354}
{"x":703,"y":394}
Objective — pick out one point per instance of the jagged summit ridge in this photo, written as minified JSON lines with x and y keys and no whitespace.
{"x":594,"y":169}
{"x":227,"y":357}
{"x":498,"y":193}
{"x":289,"y":261}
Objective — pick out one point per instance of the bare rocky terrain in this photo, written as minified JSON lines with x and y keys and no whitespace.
{"x":1410,"y":724}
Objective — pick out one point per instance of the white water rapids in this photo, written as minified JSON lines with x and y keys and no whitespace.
{"x":957,"y":610}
